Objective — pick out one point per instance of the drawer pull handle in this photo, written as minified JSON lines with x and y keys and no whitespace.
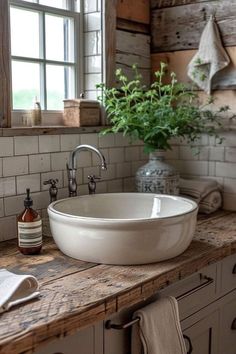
{"x":207,"y":281}
{"x":234,"y":269}
{"x":190,"y":346}
{"x":233,"y":325}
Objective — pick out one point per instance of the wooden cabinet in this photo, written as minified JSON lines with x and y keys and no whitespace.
{"x":227,"y":331}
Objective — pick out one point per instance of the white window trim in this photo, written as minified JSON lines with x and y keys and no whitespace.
{"x":50,"y":117}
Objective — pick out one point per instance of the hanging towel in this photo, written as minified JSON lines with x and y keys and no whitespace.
{"x":158,"y":331}
{"x":15,"y":289}
{"x":211,"y":203}
{"x":210,"y":58}
{"x":198,"y":189}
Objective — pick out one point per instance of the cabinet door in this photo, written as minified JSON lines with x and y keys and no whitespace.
{"x":86,"y":341}
{"x":228,"y":326}
{"x":204,"y":335}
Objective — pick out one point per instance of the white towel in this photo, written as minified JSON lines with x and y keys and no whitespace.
{"x":197,"y":188}
{"x":211,"y":203}
{"x":15,"y":289}
{"x":159,"y":329}
{"x":210,"y":58}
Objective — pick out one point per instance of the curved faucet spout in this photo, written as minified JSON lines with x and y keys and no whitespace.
{"x":71,"y":166}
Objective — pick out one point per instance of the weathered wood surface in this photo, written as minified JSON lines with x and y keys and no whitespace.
{"x":133,"y":49}
{"x":48,"y":131}
{"x":76,"y":294}
{"x":134,"y":10}
{"x":180,"y":27}
{"x":5,"y":65}
{"x":110,"y":41}
{"x":134,"y":27}
{"x":159,"y":4}
{"x":178,"y":62}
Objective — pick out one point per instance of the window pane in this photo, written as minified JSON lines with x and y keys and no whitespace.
{"x":61,"y":4}
{"x":24,"y":33}
{"x":58,"y":81}
{"x":25,"y":84}
{"x":59,"y":38}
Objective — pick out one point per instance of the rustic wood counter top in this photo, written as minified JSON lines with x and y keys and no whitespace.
{"x":75,"y":294}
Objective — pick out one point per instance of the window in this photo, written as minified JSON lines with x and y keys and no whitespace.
{"x":44,"y":52}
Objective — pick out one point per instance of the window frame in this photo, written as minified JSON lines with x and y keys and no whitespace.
{"x":55,"y":115}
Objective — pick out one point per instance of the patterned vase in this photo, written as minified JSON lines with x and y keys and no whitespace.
{"x":157,"y":176}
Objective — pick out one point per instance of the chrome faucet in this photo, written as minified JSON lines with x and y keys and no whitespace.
{"x":71,"y":166}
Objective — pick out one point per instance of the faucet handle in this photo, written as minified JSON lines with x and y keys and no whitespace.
{"x":53,"y":190}
{"x":92,"y":183}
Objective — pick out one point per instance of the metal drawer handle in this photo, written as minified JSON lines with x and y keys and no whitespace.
{"x":234,"y":269}
{"x":208,"y":281}
{"x":233,"y":325}
{"x":190,"y":346}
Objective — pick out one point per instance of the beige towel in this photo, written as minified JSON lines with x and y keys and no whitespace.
{"x":198,"y":188}
{"x":159,"y":329}
{"x":210,"y":203}
{"x":210,"y":58}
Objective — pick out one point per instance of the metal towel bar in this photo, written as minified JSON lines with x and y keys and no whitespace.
{"x":207,"y":281}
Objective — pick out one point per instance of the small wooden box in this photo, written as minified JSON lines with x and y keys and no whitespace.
{"x":81,"y":113}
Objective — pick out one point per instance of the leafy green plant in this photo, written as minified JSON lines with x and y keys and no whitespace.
{"x":159,"y":113}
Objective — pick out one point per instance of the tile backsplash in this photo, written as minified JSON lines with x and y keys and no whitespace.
{"x":25,"y":162}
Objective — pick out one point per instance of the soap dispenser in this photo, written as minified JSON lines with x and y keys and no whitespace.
{"x":29,"y":226}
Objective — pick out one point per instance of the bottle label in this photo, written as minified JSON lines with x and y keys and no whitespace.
{"x":30,"y":234}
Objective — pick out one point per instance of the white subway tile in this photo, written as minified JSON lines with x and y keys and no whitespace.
{"x":69,"y":142}
{"x":142,"y":155}
{"x":93,"y":64}
{"x":84,"y":159}
{"x":83,"y":189}
{"x":105,"y":141}
{"x":204,"y":152}
{"x":229,"y":201}
{"x":1,"y":163}
{"x":230,"y":185}
{"x":129,"y":184}
{"x":90,"y":43}
{"x":14,"y":205}
{"x":116,"y":155}
{"x":187,"y":153}
{"x":212,"y":168}
{"x":41,"y":200}
{"x":216,"y":153}
{"x":101,"y":187}
{"x":91,"y":80}
{"x":228,"y":139}
{"x":226,"y":169}
{"x":1,"y":208}
{"x":132,"y":153}
{"x":49,"y":143}
{"x":51,"y":175}
{"x":39,"y":163}
{"x":115,"y":186}
{"x":121,"y":140}
{"x":230,"y":154}
{"x":6,"y":146}
{"x":135,"y":165}
{"x":28,"y":181}
{"x":15,"y":165}
{"x":89,"y":139}
{"x":59,"y":160}
{"x":171,"y":154}
{"x":26,"y":145}
{"x":92,"y":22}
{"x":123,"y":170}
{"x":62,"y":193}
{"x":7,"y":186}
{"x":8,"y":228}
{"x":110,"y":173}
{"x":198,"y":168}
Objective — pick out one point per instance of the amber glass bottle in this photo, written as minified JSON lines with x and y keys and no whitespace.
{"x":29,"y":225}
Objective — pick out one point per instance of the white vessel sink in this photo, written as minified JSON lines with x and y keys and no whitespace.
{"x":123,"y":228}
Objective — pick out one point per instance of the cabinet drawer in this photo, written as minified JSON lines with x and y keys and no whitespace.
{"x":228,"y":274}
{"x":194,"y":292}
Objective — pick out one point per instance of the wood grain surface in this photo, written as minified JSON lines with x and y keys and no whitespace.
{"x":76,"y":294}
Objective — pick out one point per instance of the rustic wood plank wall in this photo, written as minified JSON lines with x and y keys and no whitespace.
{"x":176,"y":27}
{"x":133,"y":37}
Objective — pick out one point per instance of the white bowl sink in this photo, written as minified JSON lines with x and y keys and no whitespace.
{"x":123,"y":228}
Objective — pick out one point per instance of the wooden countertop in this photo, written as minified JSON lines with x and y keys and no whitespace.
{"x":75,"y":294}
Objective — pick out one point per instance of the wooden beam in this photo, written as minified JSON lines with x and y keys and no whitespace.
{"x":180,"y":27}
{"x":134,"y":27}
{"x":110,"y":41}
{"x":134,"y":10}
{"x":5,"y":65}
{"x":160,"y":4}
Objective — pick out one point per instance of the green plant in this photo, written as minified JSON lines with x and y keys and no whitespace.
{"x":159,"y":113}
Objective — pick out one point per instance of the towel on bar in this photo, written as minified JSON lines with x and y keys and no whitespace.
{"x":158,"y":331}
{"x":211,"y":203}
{"x":198,"y":188}
{"x":15,"y":289}
{"x":210,"y":58}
